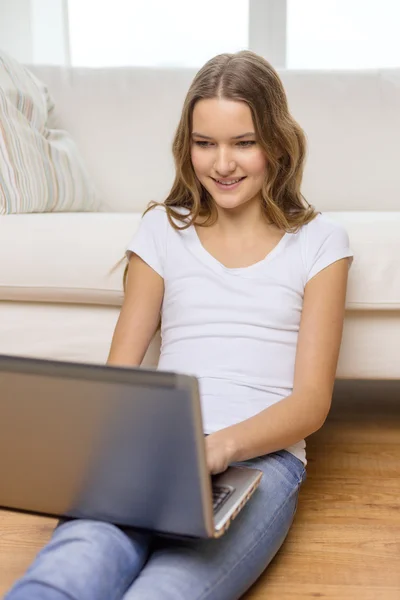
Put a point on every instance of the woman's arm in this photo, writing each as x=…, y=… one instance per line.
x=305, y=410
x=140, y=314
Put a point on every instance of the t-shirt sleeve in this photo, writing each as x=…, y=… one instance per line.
x=150, y=240
x=327, y=242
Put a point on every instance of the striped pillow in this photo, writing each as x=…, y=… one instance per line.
x=40, y=167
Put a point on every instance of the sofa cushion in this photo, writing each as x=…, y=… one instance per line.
x=64, y=257
x=374, y=280
x=69, y=258
x=40, y=169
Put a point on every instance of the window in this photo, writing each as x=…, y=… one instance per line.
x=294, y=34
x=343, y=34
x=155, y=33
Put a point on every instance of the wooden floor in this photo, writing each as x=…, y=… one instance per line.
x=345, y=541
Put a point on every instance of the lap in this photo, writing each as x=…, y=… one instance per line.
x=225, y=568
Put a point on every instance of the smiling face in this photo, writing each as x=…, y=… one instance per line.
x=226, y=157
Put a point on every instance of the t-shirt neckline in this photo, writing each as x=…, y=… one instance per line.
x=213, y=262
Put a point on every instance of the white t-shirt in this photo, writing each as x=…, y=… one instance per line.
x=235, y=329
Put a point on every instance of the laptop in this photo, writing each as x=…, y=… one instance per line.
x=123, y=445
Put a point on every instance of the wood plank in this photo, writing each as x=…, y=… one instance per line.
x=21, y=537
x=287, y=591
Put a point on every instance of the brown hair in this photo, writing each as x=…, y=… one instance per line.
x=249, y=78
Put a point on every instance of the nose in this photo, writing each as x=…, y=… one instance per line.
x=224, y=163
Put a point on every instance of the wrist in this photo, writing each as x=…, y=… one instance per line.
x=230, y=444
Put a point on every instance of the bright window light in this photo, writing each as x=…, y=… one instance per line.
x=155, y=33
x=343, y=34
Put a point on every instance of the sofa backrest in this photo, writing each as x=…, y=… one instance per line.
x=124, y=119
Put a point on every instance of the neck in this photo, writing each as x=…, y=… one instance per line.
x=243, y=220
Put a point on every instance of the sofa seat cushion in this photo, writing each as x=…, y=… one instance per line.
x=70, y=257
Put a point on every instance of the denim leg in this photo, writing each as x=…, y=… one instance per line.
x=225, y=568
x=84, y=560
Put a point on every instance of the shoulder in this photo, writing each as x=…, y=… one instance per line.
x=323, y=232
x=322, y=228
x=149, y=240
x=155, y=214
x=324, y=240
x=165, y=228
x=154, y=222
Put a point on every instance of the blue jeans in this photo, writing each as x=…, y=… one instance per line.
x=91, y=560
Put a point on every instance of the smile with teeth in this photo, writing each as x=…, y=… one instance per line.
x=230, y=182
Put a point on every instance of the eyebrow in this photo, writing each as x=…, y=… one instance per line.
x=237, y=137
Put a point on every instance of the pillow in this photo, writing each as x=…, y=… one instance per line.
x=40, y=167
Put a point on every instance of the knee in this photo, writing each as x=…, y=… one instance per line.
x=90, y=533
x=84, y=559
x=86, y=529
x=103, y=537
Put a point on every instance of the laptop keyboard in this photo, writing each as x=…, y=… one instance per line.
x=220, y=494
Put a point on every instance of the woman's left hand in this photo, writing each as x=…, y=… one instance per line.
x=218, y=452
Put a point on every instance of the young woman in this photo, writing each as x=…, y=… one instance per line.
x=250, y=284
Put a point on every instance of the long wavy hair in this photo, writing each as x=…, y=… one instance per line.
x=245, y=77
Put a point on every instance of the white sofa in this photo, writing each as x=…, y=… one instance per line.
x=58, y=295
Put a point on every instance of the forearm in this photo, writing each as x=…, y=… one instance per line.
x=278, y=426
